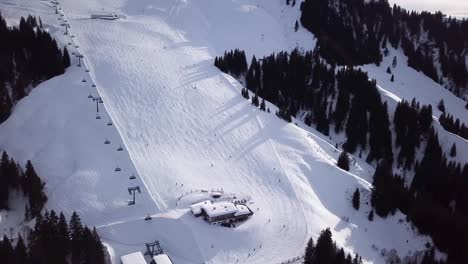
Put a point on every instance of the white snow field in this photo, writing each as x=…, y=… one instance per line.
x=184, y=126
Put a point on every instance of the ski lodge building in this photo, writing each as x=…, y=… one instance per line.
x=161, y=259
x=133, y=258
x=221, y=212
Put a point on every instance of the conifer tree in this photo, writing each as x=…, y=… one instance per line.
x=343, y=161
x=441, y=106
x=453, y=150
x=388, y=70
x=66, y=58
x=356, y=199
x=370, y=217
x=309, y=252
x=20, y=252
x=262, y=105
x=6, y=251
x=76, y=234
x=296, y=26
x=34, y=189
x=325, y=248
x=392, y=79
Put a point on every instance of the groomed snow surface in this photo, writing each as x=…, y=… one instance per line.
x=184, y=126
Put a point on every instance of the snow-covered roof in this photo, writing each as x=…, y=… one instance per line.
x=242, y=210
x=221, y=208
x=162, y=259
x=133, y=258
x=196, y=208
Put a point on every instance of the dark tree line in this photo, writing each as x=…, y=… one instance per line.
x=454, y=126
x=55, y=241
x=325, y=251
x=357, y=32
x=436, y=201
x=303, y=82
x=13, y=177
x=233, y=62
x=28, y=56
x=349, y=101
x=411, y=122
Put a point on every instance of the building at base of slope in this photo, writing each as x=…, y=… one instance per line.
x=161, y=259
x=133, y=258
x=138, y=258
x=221, y=212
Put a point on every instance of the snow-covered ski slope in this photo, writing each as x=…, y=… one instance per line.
x=184, y=126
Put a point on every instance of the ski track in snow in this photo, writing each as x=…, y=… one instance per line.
x=181, y=121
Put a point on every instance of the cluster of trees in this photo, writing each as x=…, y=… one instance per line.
x=28, y=56
x=347, y=101
x=435, y=202
x=456, y=127
x=14, y=177
x=233, y=62
x=55, y=241
x=411, y=122
x=303, y=82
x=326, y=251
x=358, y=32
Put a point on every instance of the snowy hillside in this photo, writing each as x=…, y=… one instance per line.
x=184, y=126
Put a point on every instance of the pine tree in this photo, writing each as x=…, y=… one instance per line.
x=6, y=251
x=262, y=105
x=20, y=253
x=343, y=161
x=296, y=26
x=27, y=213
x=255, y=100
x=453, y=150
x=76, y=235
x=309, y=252
x=370, y=217
x=63, y=239
x=388, y=70
x=34, y=189
x=394, y=62
x=392, y=79
x=325, y=248
x=441, y=106
x=66, y=58
x=4, y=184
x=356, y=199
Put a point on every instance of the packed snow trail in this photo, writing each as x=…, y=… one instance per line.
x=186, y=127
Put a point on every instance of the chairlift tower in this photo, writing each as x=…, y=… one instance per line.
x=132, y=191
x=98, y=101
x=153, y=249
x=79, y=56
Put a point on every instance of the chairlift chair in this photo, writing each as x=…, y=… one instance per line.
x=131, y=202
x=93, y=85
x=119, y=148
x=118, y=169
x=132, y=177
x=90, y=96
x=148, y=217
x=107, y=142
x=98, y=117
x=87, y=70
x=109, y=123
x=101, y=101
x=84, y=80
